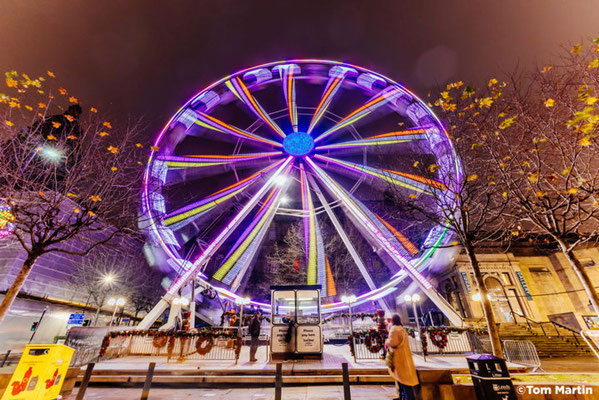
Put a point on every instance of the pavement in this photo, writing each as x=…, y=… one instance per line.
x=292, y=393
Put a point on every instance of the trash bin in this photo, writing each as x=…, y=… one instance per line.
x=40, y=372
x=491, y=377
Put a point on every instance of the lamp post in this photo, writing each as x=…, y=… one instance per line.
x=413, y=299
x=241, y=302
x=120, y=302
x=349, y=300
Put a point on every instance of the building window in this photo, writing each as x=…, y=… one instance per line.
x=507, y=279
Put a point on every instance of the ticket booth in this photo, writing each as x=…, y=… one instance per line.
x=296, y=330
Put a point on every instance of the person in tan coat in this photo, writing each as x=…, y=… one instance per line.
x=402, y=366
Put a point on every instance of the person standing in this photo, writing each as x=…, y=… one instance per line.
x=401, y=366
x=254, y=331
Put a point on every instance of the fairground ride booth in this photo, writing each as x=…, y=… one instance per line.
x=296, y=329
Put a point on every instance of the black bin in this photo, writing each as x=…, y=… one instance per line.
x=491, y=378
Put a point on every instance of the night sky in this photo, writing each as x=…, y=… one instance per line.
x=145, y=58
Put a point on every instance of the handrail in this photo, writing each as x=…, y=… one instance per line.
x=591, y=344
x=555, y=325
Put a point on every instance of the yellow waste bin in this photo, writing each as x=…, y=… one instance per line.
x=40, y=372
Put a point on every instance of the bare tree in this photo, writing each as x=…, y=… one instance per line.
x=69, y=179
x=470, y=205
x=548, y=159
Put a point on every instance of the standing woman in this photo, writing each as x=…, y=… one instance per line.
x=401, y=365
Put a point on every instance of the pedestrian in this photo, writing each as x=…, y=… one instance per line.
x=254, y=331
x=400, y=361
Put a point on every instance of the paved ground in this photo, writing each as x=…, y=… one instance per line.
x=293, y=393
x=571, y=364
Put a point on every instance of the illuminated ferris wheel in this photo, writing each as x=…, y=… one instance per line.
x=306, y=139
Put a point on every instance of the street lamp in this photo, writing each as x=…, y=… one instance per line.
x=349, y=300
x=51, y=153
x=415, y=298
x=241, y=302
x=120, y=302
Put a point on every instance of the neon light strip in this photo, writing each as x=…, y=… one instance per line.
x=289, y=91
x=374, y=103
x=210, y=160
x=332, y=86
x=238, y=88
x=390, y=249
x=331, y=289
x=210, y=122
x=409, y=181
x=378, y=140
x=218, y=241
x=406, y=243
x=214, y=199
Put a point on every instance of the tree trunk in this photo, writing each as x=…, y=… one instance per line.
x=584, y=278
x=486, y=303
x=14, y=289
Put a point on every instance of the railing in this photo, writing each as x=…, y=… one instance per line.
x=362, y=352
x=184, y=348
x=554, y=324
x=457, y=343
x=522, y=352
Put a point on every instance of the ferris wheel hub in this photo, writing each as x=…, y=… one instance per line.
x=298, y=144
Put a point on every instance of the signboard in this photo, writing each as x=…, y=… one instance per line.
x=466, y=282
x=76, y=319
x=309, y=339
x=279, y=345
x=524, y=285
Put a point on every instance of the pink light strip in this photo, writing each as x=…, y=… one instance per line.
x=209, y=251
x=391, y=250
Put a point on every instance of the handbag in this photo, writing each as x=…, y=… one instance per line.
x=389, y=359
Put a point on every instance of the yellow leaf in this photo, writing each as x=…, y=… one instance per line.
x=91, y=213
x=70, y=118
x=433, y=167
x=416, y=163
x=29, y=108
x=41, y=193
x=475, y=145
x=8, y=123
x=533, y=177
x=62, y=91
x=41, y=105
x=549, y=103
x=596, y=204
x=546, y=69
x=52, y=137
x=585, y=141
x=103, y=133
x=572, y=190
x=69, y=194
x=93, y=109
x=593, y=64
x=576, y=49
x=485, y=102
x=73, y=100
x=113, y=169
x=506, y=123
x=455, y=243
x=56, y=124
x=72, y=137
x=14, y=104
x=413, y=196
x=51, y=74
x=139, y=145
x=95, y=198
x=492, y=81
x=591, y=100
x=76, y=210
x=155, y=148
x=540, y=194
x=112, y=149
x=107, y=124
x=471, y=178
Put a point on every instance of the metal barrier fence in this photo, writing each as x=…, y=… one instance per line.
x=522, y=352
x=184, y=348
x=361, y=351
x=457, y=343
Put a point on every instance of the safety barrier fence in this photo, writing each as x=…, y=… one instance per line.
x=455, y=343
x=522, y=352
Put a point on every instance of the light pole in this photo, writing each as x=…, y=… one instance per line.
x=241, y=302
x=349, y=300
x=415, y=298
x=107, y=279
x=120, y=302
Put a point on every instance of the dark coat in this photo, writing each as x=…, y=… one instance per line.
x=254, y=328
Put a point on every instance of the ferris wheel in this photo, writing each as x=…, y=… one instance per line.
x=307, y=140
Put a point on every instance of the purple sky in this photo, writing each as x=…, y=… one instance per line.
x=147, y=57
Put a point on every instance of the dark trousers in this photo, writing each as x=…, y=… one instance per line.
x=254, y=342
x=405, y=392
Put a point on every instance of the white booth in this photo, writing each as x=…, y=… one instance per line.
x=296, y=330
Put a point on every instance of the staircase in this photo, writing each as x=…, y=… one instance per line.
x=555, y=341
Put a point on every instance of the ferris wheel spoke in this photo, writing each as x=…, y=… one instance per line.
x=337, y=75
x=243, y=252
x=210, y=122
x=367, y=222
x=389, y=138
x=230, y=227
x=409, y=181
x=197, y=161
x=238, y=88
x=319, y=270
x=375, y=102
x=182, y=216
x=287, y=73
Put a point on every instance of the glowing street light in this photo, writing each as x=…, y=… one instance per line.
x=285, y=200
x=51, y=153
x=120, y=302
x=241, y=302
x=349, y=300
